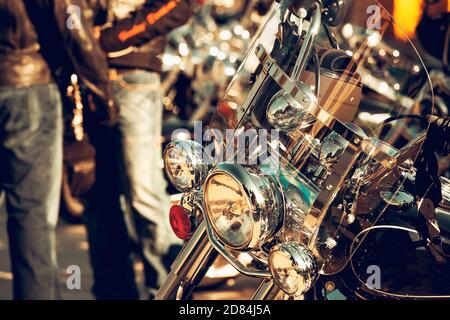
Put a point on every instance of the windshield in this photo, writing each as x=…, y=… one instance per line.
x=334, y=114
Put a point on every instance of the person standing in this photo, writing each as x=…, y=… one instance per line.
x=37, y=50
x=134, y=39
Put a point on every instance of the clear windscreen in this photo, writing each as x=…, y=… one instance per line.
x=337, y=130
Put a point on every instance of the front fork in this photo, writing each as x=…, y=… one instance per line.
x=190, y=267
x=268, y=290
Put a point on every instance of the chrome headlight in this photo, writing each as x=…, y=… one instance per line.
x=243, y=206
x=286, y=114
x=293, y=268
x=185, y=165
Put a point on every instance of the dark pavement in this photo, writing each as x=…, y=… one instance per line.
x=72, y=249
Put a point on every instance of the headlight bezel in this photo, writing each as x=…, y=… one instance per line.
x=264, y=197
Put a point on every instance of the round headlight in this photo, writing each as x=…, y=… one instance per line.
x=184, y=164
x=243, y=206
x=293, y=268
x=285, y=113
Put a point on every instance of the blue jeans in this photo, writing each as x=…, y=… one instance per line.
x=129, y=162
x=30, y=176
x=140, y=129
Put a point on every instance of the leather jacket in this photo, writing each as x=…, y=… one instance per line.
x=47, y=40
x=134, y=35
x=21, y=63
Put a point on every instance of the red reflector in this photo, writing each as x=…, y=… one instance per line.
x=180, y=222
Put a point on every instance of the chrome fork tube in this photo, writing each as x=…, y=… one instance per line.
x=189, y=267
x=267, y=290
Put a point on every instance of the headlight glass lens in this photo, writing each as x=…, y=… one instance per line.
x=178, y=168
x=283, y=270
x=229, y=210
x=184, y=164
x=293, y=268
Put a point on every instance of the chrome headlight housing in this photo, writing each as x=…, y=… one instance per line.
x=185, y=164
x=243, y=206
x=293, y=267
x=286, y=114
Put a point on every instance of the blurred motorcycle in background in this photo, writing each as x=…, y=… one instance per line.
x=319, y=165
x=201, y=59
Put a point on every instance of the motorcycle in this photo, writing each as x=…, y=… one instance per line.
x=324, y=201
